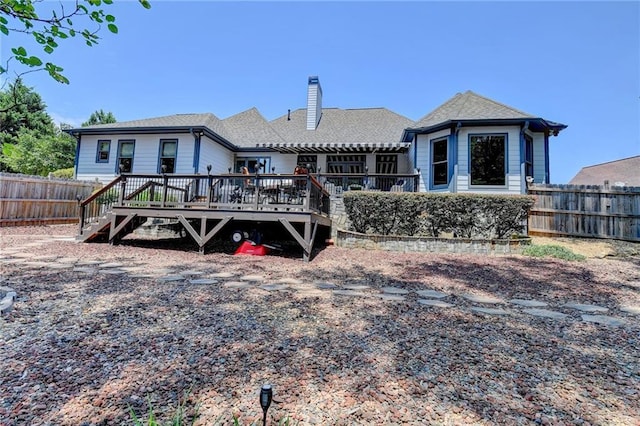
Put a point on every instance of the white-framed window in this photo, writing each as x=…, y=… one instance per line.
x=528, y=155
x=440, y=162
x=102, y=154
x=126, y=149
x=168, y=155
x=488, y=159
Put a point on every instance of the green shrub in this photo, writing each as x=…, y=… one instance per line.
x=108, y=197
x=549, y=250
x=63, y=173
x=464, y=215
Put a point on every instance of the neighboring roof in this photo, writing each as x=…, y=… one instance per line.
x=248, y=129
x=625, y=172
x=470, y=106
x=341, y=128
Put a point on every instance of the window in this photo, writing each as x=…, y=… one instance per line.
x=346, y=163
x=102, y=155
x=309, y=162
x=263, y=165
x=487, y=156
x=528, y=155
x=125, y=156
x=439, y=162
x=387, y=164
x=168, y=153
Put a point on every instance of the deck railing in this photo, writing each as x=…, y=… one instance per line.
x=337, y=183
x=260, y=192
x=229, y=191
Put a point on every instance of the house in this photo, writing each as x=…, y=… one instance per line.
x=468, y=144
x=624, y=172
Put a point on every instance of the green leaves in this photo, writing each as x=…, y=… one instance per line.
x=30, y=141
x=3, y=22
x=49, y=30
x=33, y=61
x=55, y=72
x=464, y=215
x=19, y=51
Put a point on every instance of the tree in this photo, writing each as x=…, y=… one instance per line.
x=99, y=117
x=39, y=154
x=22, y=108
x=30, y=141
x=84, y=19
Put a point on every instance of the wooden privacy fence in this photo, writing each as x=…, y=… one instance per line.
x=586, y=211
x=35, y=200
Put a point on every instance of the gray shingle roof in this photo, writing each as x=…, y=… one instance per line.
x=469, y=106
x=373, y=125
x=248, y=129
x=177, y=120
x=625, y=171
x=366, y=127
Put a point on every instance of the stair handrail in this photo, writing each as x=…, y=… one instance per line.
x=89, y=203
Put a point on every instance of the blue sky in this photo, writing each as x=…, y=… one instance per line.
x=577, y=63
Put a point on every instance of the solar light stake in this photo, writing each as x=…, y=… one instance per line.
x=266, y=395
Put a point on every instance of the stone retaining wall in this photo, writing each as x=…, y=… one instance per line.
x=351, y=239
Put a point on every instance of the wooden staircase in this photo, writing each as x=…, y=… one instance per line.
x=96, y=231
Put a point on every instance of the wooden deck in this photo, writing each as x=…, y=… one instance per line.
x=210, y=205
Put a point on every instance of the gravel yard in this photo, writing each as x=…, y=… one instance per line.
x=353, y=337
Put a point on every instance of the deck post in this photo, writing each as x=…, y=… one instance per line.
x=83, y=217
x=123, y=188
x=165, y=181
x=209, y=191
x=307, y=237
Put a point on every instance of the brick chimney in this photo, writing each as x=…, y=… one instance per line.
x=314, y=103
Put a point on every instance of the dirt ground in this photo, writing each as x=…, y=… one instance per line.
x=346, y=339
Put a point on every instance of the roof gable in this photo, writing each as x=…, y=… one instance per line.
x=470, y=106
x=249, y=128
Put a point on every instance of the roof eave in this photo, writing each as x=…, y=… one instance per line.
x=150, y=130
x=539, y=124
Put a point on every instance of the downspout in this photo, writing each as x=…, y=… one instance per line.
x=523, y=178
x=78, y=138
x=416, y=169
x=454, y=155
x=547, y=177
x=196, y=149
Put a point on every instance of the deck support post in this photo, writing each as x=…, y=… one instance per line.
x=203, y=238
x=307, y=237
x=114, y=230
x=305, y=242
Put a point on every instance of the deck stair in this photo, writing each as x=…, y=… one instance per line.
x=97, y=230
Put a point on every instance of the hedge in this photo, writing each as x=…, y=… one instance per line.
x=464, y=215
